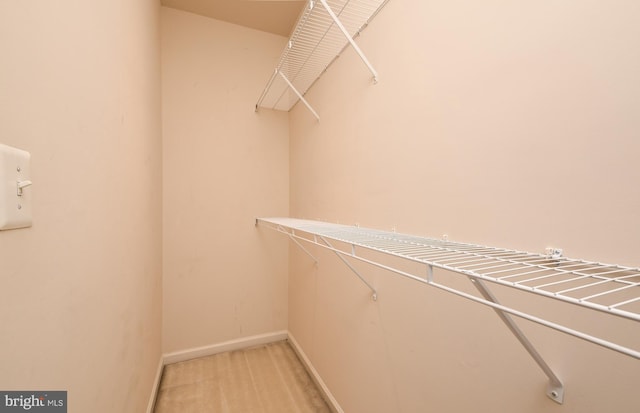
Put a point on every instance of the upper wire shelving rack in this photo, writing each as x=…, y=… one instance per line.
x=323, y=30
x=611, y=289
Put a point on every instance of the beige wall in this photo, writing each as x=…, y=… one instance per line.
x=223, y=165
x=80, y=291
x=507, y=124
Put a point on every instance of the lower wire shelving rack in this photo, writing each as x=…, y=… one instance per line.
x=611, y=289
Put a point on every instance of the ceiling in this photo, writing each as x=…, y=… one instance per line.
x=272, y=16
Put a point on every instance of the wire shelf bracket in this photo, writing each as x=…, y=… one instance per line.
x=611, y=289
x=555, y=388
x=321, y=34
x=374, y=293
x=298, y=94
x=350, y=39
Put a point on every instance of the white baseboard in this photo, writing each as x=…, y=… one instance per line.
x=333, y=403
x=237, y=344
x=156, y=386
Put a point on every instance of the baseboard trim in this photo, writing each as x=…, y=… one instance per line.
x=156, y=386
x=237, y=344
x=333, y=403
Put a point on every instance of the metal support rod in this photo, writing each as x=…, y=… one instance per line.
x=350, y=39
x=303, y=248
x=298, y=94
x=293, y=237
x=374, y=294
x=555, y=389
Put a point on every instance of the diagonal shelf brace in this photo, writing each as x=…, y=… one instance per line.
x=555, y=389
x=286, y=80
x=292, y=237
x=350, y=39
x=374, y=293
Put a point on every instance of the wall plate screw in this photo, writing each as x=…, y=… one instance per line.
x=19, y=206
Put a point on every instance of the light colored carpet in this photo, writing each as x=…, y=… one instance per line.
x=265, y=379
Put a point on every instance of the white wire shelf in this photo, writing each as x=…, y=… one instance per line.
x=324, y=29
x=607, y=288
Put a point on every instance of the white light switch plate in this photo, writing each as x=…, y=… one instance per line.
x=15, y=188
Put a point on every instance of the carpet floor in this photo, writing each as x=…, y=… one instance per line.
x=265, y=379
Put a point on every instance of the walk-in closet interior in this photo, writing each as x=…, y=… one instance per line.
x=431, y=206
